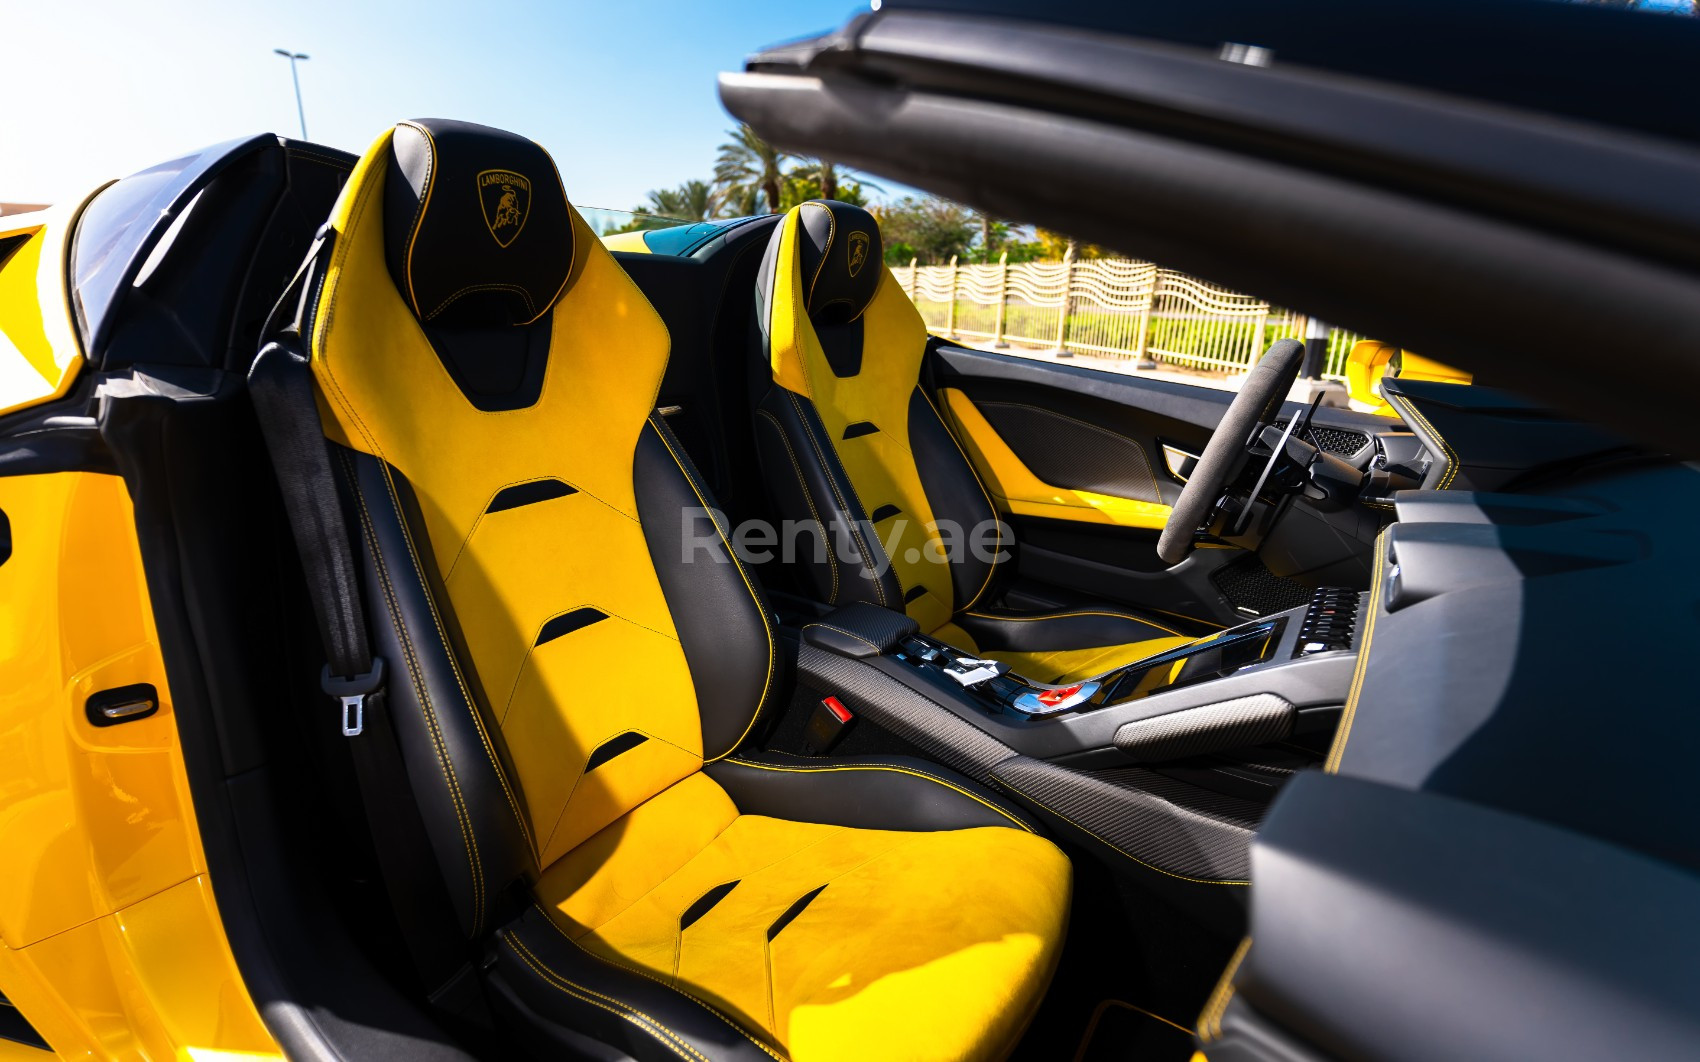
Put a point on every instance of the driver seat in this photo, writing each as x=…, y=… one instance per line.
x=850, y=442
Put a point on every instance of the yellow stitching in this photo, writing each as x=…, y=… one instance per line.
x=508, y=704
x=572, y=232
x=1337, y=750
x=849, y=517
x=641, y=972
x=730, y=552
x=1210, y=1019
x=826, y=537
x=1066, y=615
x=847, y=634
x=482, y=513
x=831, y=232
x=454, y=665
x=419, y=212
x=887, y=767
x=584, y=773
x=444, y=762
x=470, y=288
x=553, y=979
x=997, y=521
x=1112, y=846
x=1446, y=477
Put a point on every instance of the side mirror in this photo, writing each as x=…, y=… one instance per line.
x=1372, y=359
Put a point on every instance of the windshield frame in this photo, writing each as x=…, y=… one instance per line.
x=130, y=236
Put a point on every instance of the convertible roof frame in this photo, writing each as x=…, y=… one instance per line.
x=1524, y=274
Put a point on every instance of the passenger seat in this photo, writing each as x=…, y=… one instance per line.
x=849, y=439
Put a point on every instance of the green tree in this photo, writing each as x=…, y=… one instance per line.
x=800, y=187
x=929, y=228
x=691, y=201
x=833, y=181
x=747, y=164
x=1056, y=245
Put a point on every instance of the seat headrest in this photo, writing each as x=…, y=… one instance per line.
x=841, y=254
x=477, y=229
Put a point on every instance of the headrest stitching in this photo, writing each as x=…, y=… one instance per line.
x=831, y=231
x=530, y=306
x=419, y=211
x=572, y=232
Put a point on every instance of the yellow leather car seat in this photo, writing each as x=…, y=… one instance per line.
x=851, y=442
x=572, y=696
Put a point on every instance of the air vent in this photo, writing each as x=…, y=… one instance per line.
x=1342, y=442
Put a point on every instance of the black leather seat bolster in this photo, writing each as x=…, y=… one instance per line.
x=717, y=608
x=556, y=992
x=1078, y=628
x=866, y=792
x=456, y=764
x=955, y=493
x=809, y=485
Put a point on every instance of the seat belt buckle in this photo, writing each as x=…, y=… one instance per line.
x=352, y=692
x=827, y=725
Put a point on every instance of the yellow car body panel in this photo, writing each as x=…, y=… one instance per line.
x=110, y=941
x=39, y=350
x=626, y=241
x=1371, y=359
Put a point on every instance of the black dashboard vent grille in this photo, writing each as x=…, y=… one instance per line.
x=1256, y=591
x=1342, y=442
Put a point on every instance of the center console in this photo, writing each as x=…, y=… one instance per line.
x=1138, y=758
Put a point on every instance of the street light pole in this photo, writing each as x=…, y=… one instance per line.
x=300, y=111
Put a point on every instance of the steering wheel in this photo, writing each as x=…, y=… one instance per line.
x=1259, y=399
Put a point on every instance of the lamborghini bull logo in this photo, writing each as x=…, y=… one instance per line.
x=506, y=199
x=858, y=252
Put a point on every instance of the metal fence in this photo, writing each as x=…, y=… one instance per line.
x=1111, y=307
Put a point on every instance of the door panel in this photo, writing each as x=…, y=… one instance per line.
x=1084, y=473
x=110, y=940
x=1080, y=462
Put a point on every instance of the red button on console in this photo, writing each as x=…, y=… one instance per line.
x=839, y=712
x=1057, y=696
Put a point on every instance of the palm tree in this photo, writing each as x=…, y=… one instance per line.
x=748, y=163
x=691, y=201
x=827, y=174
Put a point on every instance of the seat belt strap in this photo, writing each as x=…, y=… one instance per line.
x=281, y=385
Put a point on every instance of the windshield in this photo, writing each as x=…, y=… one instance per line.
x=659, y=235
x=605, y=222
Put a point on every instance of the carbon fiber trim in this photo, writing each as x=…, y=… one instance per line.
x=1232, y=724
x=1071, y=453
x=1152, y=831
x=1243, y=812
x=911, y=715
x=870, y=629
x=1252, y=588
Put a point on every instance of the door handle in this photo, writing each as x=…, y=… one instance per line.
x=122, y=704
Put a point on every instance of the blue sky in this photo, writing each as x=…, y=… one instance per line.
x=622, y=93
